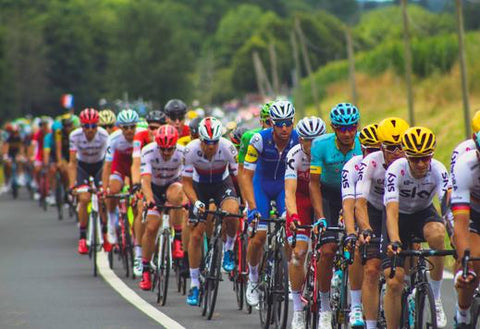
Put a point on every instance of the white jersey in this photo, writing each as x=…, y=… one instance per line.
x=298, y=168
x=217, y=169
x=466, y=180
x=350, y=177
x=118, y=146
x=89, y=151
x=163, y=172
x=371, y=179
x=461, y=148
x=414, y=194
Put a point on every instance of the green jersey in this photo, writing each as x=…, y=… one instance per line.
x=246, y=137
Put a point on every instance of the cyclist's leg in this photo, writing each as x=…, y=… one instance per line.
x=115, y=185
x=7, y=171
x=148, y=246
x=228, y=201
x=176, y=197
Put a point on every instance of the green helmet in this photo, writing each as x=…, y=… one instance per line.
x=265, y=111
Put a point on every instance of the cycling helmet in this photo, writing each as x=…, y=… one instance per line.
x=175, y=106
x=282, y=110
x=391, y=130
x=310, y=127
x=368, y=135
x=89, y=115
x=344, y=114
x=236, y=135
x=265, y=111
x=127, y=117
x=166, y=136
x=210, y=129
x=418, y=141
x=156, y=116
x=193, y=125
x=476, y=122
x=107, y=117
x=66, y=119
x=57, y=125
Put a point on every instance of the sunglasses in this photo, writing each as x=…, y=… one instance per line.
x=369, y=149
x=107, y=126
x=282, y=123
x=129, y=127
x=153, y=127
x=344, y=129
x=417, y=159
x=207, y=142
x=392, y=148
x=90, y=125
x=175, y=117
x=167, y=149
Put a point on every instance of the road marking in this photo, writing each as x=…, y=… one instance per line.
x=131, y=296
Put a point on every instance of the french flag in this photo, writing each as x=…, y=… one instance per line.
x=67, y=101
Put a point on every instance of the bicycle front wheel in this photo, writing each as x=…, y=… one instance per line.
x=425, y=315
x=213, y=278
x=163, y=269
x=264, y=291
x=280, y=291
x=94, y=241
x=59, y=198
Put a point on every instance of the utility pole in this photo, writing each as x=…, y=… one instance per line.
x=257, y=74
x=463, y=68
x=299, y=105
x=351, y=63
x=408, y=62
x=308, y=65
x=262, y=75
x=273, y=67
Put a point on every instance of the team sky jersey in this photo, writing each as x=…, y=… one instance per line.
x=89, y=151
x=264, y=158
x=119, y=149
x=163, y=172
x=350, y=177
x=215, y=170
x=371, y=179
x=298, y=168
x=244, y=142
x=328, y=160
x=141, y=139
x=466, y=182
x=413, y=194
x=461, y=148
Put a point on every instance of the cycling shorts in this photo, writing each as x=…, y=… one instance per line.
x=375, y=217
x=332, y=205
x=85, y=170
x=219, y=192
x=305, y=213
x=265, y=192
x=160, y=196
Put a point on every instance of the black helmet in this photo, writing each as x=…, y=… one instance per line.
x=193, y=125
x=156, y=116
x=236, y=135
x=175, y=107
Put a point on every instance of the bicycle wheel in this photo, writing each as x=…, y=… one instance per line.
x=341, y=314
x=404, y=317
x=59, y=198
x=155, y=260
x=308, y=293
x=124, y=244
x=425, y=315
x=236, y=275
x=264, y=290
x=280, y=291
x=475, y=311
x=93, y=246
x=163, y=268
x=213, y=277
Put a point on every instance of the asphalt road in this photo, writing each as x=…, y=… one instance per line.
x=44, y=283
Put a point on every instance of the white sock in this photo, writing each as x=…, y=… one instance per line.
x=324, y=301
x=229, y=243
x=371, y=324
x=436, y=288
x=194, y=274
x=463, y=315
x=297, y=301
x=112, y=220
x=356, y=296
x=253, y=273
x=138, y=251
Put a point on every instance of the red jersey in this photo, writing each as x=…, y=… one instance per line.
x=185, y=131
x=141, y=139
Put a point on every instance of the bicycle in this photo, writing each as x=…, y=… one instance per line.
x=14, y=180
x=162, y=258
x=211, y=269
x=94, y=232
x=59, y=194
x=475, y=308
x=43, y=189
x=424, y=311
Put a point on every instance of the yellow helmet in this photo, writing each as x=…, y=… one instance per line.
x=476, y=122
x=390, y=130
x=106, y=117
x=368, y=135
x=418, y=141
x=192, y=115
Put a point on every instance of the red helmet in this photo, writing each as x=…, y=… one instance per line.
x=166, y=136
x=89, y=116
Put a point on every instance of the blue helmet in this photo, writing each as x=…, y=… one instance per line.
x=127, y=117
x=344, y=114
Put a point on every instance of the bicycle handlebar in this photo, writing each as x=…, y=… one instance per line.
x=422, y=253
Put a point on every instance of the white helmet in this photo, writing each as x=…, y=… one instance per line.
x=311, y=127
x=210, y=129
x=282, y=110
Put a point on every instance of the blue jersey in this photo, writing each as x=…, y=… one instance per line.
x=328, y=161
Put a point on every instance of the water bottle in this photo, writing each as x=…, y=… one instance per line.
x=335, y=285
x=411, y=308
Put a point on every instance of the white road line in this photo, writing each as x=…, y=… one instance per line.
x=131, y=296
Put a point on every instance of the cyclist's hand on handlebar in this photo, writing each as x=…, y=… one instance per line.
x=366, y=236
x=461, y=282
x=252, y=214
x=295, y=221
x=394, y=248
x=320, y=225
x=198, y=208
x=351, y=240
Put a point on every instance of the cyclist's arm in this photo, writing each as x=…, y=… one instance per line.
x=392, y=221
x=46, y=149
x=316, y=195
x=248, y=188
x=136, y=161
x=361, y=214
x=72, y=168
x=147, y=188
x=348, y=206
x=187, y=183
x=107, y=168
x=58, y=148
x=290, y=197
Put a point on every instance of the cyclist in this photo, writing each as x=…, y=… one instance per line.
x=193, y=127
x=264, y=181
x=118, y=162
x=369, y=208
x=410, y=185
x=329, y=154
x=154, y=120
x=107, y=120
x=209, y=161
x=236, y=136
x=88, y=145
x=12, y=150
x=37, y=148
x=175, y=111
x=299, y=207
x=162, y=164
